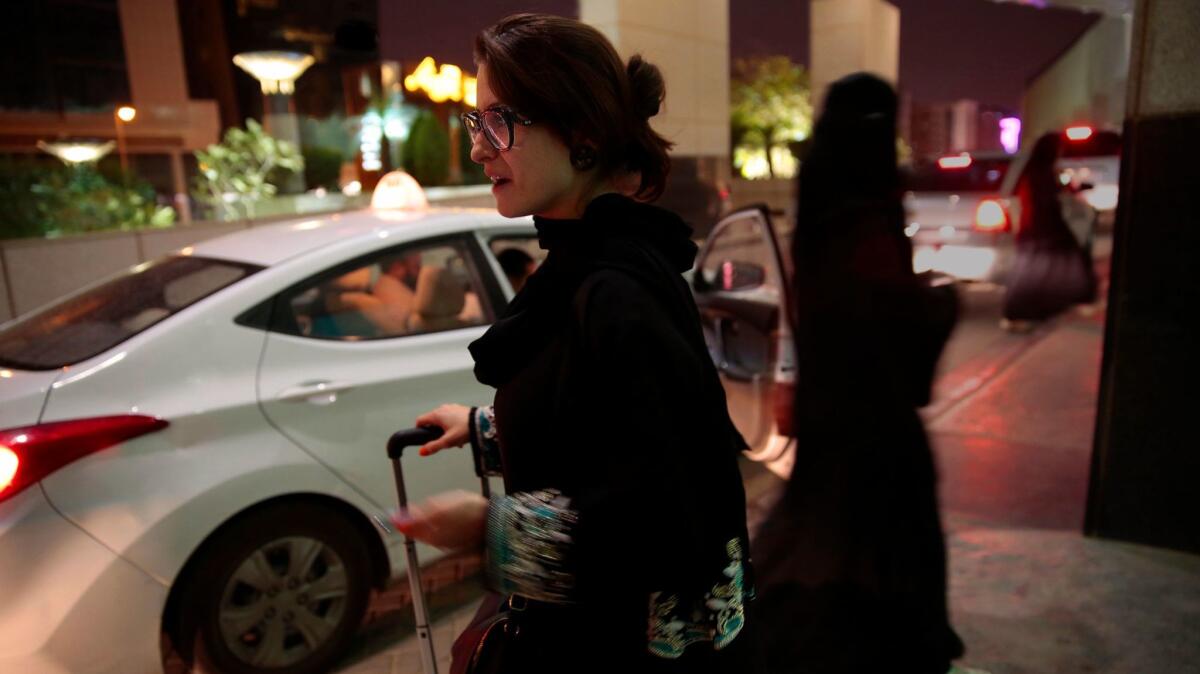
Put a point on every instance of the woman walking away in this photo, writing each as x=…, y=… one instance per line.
x=852, y=561
x=1052, y=270
x=621, y=544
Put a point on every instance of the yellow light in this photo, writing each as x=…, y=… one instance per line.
x=470, y=87
x=126, y=113
x=990, y=216
x=276, y=71
x=6, y=374
x=77, y=152
x=446, y=83
x=398, y=191
x=9, y=462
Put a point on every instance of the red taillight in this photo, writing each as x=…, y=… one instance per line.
x=958, y=161
x=1079, y=132
x=29, y=454
x=990, y=216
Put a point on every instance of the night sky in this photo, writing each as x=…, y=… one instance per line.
x=949, y=49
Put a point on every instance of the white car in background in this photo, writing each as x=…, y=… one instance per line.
x=962, y=209
x=196, y=446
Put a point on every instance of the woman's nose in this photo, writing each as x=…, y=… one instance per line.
x=481, y=149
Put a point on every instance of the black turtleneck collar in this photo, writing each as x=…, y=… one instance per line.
x=649, y=244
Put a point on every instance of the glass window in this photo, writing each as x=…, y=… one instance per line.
x=519, y=256
x=983, y=175
x=407, y=291
x=740, y=248
x=95, y=320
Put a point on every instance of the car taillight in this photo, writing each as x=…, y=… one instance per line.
x=1078, y=133
x=29, y=454
x=957, y=161
x=990, y=216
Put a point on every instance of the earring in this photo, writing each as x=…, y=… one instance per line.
x=583, y=157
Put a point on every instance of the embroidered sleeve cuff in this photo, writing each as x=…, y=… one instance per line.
x=484, y=445
x=529, y=537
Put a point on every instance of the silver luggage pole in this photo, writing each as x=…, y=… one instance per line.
x=395, y=449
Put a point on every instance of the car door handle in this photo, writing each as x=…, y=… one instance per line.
x=320, y=392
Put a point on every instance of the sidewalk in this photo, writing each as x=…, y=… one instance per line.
x=1029, y=593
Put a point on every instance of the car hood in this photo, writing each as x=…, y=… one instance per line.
x=23, y=395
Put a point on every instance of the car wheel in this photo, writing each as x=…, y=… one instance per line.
x=282, y=590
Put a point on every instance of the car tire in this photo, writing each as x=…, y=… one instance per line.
x=281, y=590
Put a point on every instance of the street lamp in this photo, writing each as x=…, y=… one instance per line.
x=121, y=116
x=76, y=152
x=277, y=72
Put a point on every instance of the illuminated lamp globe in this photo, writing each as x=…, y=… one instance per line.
x=126, y=113
x=77, y=152
x=398, y=191
x=276, y=71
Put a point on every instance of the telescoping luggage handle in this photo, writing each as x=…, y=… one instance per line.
x=401, y=440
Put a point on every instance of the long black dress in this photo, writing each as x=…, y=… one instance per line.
x=624, y=524
x=852, y=562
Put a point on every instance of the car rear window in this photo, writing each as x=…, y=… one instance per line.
x=983, y=175
x=98, y=318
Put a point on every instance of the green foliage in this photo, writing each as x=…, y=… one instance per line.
x=427, y=151
x=322, y=166
x=770, y=104
x=52, y=199
x=243, y=169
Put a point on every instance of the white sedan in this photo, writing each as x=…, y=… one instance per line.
x=196, y=446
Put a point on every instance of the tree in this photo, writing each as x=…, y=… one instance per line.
x=427, y=151
x=244, y=168
x=770, y=104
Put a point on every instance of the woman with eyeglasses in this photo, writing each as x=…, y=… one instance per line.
x=621, y=542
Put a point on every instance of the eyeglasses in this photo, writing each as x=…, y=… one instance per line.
x=496, y=124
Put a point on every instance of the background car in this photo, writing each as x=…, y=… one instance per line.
x=962, y=209
x=196, y=446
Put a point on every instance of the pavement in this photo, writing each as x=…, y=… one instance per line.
x=1012, y=430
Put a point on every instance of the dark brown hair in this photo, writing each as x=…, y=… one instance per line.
x=565, y=74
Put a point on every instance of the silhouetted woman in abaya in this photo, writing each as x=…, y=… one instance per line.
x=852, y=560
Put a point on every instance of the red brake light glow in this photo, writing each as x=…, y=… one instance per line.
x=29, y=454
x=957, y=161
x=990, y=216
x=1079, y=132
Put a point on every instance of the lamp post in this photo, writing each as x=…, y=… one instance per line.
x=277, y=72
x=121, y=116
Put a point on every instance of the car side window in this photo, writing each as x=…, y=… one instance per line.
x=519, y=256
x=738, y=252
x=417, y=289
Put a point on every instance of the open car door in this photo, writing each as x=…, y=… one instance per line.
x=741, y=287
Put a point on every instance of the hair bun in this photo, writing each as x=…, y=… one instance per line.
x=646, y=82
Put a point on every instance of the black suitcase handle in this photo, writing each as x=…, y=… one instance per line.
x=410, y=437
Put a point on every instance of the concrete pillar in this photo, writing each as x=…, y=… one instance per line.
x=849, y=36
x=1147, y=454
x=689, y=41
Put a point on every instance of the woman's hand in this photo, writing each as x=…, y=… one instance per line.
x=454, y=422
x=452, y=520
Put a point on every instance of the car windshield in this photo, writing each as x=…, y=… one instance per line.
x=982, y=175
x=98, y=318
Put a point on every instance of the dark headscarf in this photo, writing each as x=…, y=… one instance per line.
x=852, y=158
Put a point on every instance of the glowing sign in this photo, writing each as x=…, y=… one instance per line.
x=1010, y=134
x=446, y=83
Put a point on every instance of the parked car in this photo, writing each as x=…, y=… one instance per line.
x=195, y=446
x=962, y=209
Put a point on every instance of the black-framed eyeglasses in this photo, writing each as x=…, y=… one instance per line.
x=496, y=124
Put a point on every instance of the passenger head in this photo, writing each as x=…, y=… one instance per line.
x=517, y=266
x=561, y=119
x=853, y=153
